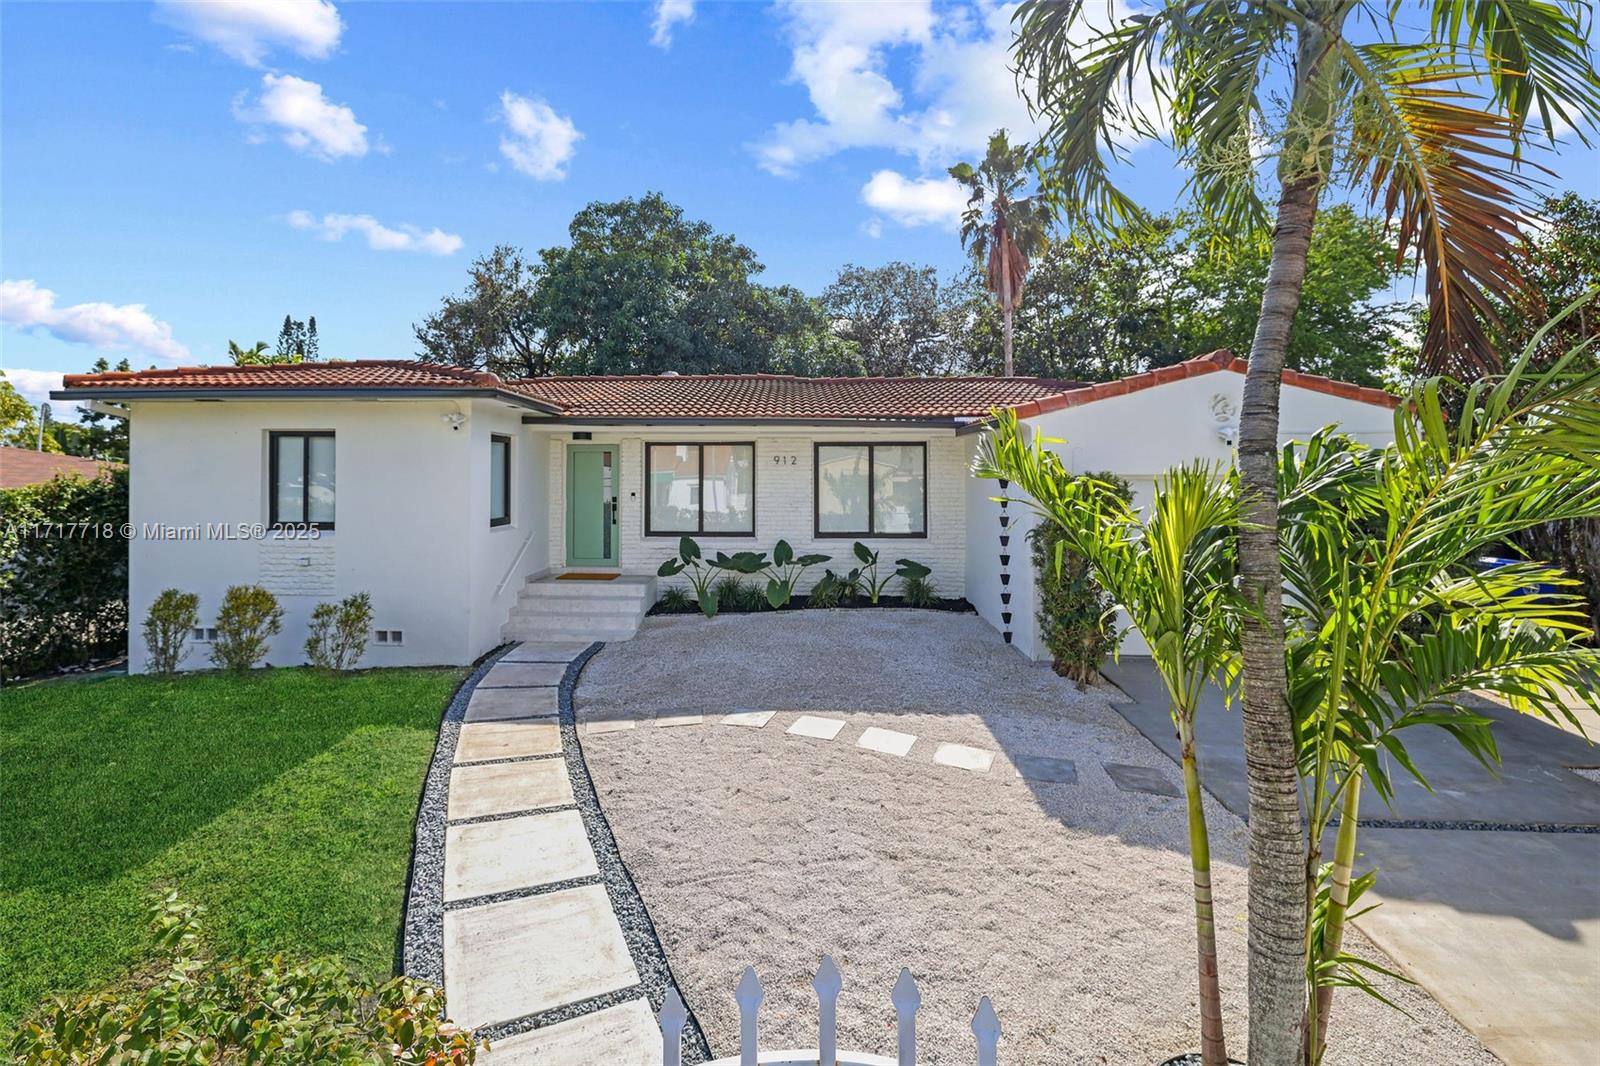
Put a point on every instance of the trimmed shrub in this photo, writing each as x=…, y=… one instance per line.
x=919, y=591
x=63, y=573
x=1074, y=611
x=339, y=632
x=250, y=617
x=676, y=600
x=256, y=1009
x=167, y=627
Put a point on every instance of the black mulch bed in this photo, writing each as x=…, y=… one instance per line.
x=803, y=603
x=423, y=949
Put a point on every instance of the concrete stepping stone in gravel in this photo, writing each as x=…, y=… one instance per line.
x=748, y=719
x=546, y=652
x=480, y=741
x=676, y=717
x=523, y=675
x=607, y=725
x=963, y=757
x=498, y=704
x=483, y=858
x=520, y=956
x=1140, y=779
x=504, y=787
x=624, y=1035
x=1046, y=768
x=809, y=725
x=886, y=741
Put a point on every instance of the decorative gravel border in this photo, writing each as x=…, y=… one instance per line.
x=1476, y=827
x=422, y=941
x=423, y=938
x=649, y=957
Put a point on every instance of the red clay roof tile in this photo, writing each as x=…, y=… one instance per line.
x=24, y=466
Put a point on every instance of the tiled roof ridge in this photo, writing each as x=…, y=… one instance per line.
x=483, y=378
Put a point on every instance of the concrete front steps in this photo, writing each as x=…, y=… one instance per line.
x=549, y=609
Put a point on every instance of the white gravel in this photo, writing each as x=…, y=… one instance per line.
x=1068, y=905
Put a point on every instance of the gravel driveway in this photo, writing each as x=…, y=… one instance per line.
x=1067, y=904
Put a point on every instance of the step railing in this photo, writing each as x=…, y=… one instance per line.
x=828, y=982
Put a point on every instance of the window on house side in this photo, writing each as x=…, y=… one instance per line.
x=872, y=490
x=499, y=480
x=700, y=488
x=302, y=481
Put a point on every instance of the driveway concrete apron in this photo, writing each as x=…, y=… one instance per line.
x=533, y=953
x=1490, y=884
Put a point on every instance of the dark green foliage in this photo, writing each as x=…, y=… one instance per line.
x=735, y=593
x=1074, y=611
x=63, y=573
x=785, y=572
x=339, y=632
x=250, y=617
x=167, y=625
x=674, y=600
x=919, y=591
x=261, y=1008
x=702, y=574
x=897, y=317
x=297, y=340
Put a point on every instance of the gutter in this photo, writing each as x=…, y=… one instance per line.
x=819, y=423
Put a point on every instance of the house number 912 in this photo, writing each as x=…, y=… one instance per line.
x=786, y=460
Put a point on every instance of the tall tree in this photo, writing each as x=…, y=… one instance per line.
x=19, y=420
x=297, y=341
x=105, y=435
x=1003, y=228
x=497, y=324
x=1433, y=127
x=897, y=316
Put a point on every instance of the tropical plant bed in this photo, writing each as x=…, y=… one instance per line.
x=281, y=801
x=803, y=603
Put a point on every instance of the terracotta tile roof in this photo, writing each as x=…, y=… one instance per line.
x=24, y=466
x=1221, y=359
x=744, y=397
x=357, y=374
x=778, y=396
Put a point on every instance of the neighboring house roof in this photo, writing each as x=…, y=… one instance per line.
x=1210, y=363
x=24, y=466
x=675, y=397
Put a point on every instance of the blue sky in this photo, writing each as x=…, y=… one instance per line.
x=176, y=175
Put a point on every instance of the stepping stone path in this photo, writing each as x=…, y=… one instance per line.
x=1140, y=779
x=532, y=946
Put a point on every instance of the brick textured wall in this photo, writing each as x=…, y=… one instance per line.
x=785, y=503
x=298, y=567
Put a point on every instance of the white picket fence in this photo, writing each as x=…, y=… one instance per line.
x=828, y=981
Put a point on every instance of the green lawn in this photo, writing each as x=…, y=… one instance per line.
x=283, y=802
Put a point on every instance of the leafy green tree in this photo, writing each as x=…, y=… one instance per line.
x=297, y=340
x=898, y=317
x=19, y=420
x=1430, y=121
x=1003, y=228
x=103, y=435
x=256, y=355
x=497, y=324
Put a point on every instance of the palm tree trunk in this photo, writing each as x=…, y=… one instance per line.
x=1344, y=861
x=1277, y=906
x=1213, y=1046
x=1005, y=299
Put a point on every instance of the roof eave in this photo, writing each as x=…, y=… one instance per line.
x=951, y=423
x=156, y=392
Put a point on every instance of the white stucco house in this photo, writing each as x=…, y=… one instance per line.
x=459, y=500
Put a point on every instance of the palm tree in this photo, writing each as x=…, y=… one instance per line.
x=1391, y=625
x=1003, y=229
x=1431, y=127
x=1173, y=574
x=250, y=356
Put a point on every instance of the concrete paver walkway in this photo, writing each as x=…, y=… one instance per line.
x=530, y=938
x=1498, y=918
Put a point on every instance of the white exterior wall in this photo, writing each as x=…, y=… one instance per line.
x=1137, y=436
x=785, y=500
x=403, y=482
x=501, y=557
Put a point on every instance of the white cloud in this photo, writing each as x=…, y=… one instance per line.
x=35, y=385
x=307, y=120
x=915, y=201
x=248, y=30
x=381, y=238
x=537, y=141
x=668, y=14
x=128, y=327
x=955, y=82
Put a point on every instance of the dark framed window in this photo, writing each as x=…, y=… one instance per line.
x=871, y=490
x=499, y=480
x=300, y=479
x=708, y=489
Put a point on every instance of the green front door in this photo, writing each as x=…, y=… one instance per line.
x=591, y=505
